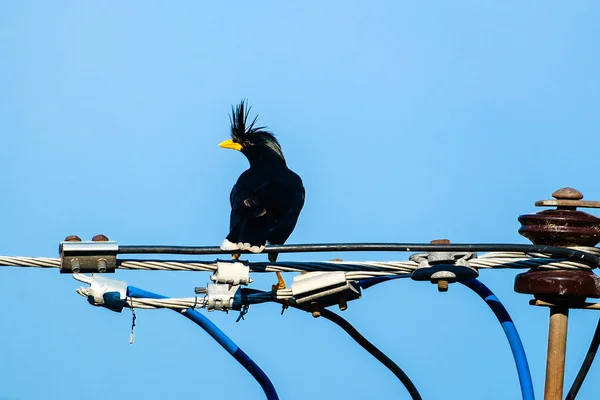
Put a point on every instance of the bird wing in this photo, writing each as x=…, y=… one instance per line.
x=265, y=205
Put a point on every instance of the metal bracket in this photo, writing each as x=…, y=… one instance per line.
x=88, y=257
x=443, y=267
x=324, y=289
x=581, y=306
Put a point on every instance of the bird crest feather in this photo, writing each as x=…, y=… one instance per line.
x=239, y=122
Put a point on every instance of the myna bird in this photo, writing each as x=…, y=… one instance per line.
x=268, y=197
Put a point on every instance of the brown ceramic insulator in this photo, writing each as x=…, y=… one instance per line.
x=559, y=284
x=563, y=226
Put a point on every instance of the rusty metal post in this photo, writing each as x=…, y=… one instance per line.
x=562, y=289
x=557, y=349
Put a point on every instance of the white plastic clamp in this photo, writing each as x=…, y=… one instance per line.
x=220, y=296
x=101, y=285
x=235, y=273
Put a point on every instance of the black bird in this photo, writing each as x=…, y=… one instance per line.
x=268, y=197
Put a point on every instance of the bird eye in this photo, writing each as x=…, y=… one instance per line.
x=246, y=143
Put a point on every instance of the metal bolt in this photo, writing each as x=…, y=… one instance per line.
x=343, y=304
x=316, y=309
x=201, y=290
x=100, y=238
x=102, y=265
x=442, y=285
x=73, y=238
x=75, y=266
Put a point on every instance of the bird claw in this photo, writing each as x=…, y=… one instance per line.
x=250, y=248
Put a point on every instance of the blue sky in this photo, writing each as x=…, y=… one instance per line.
x=407, y=122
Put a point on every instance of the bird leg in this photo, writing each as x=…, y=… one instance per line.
x=236, y=256
x=280, y=282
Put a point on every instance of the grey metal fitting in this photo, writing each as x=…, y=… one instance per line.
x=324, y=289
x=443, y=267
x=88, y=257
x=220, y=296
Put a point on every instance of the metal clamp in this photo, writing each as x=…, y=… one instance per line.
x=324, y=289
x=235, y=273
x=108, y=293
x=82, y=257
x=443, y=267
x=219, y=296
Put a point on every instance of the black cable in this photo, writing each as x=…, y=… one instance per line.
x=562, y=252
x=370, y=347
x=587, y=363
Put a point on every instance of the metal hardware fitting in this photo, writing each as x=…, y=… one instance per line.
x=323, y=289
x=443, y=267
x=88, y=257
x=220, y=296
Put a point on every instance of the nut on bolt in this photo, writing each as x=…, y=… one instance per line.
x=75, y=266
x=442, y=284
x=443, y=267
x=102, y=263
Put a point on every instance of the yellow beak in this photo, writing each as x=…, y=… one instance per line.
x=230, y=144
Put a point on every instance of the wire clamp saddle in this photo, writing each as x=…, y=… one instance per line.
x=219, y=296
x=88, y=257
x=232, y=273
x=443, y=267
x=324, y=289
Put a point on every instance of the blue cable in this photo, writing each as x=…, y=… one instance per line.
x=511, y=334
x=221, y=338
x=368, y=282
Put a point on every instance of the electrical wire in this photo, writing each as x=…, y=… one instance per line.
x=585, y=367
x=357, y=269
x=254, y=296
x=373, y=350
x=221, y=338
x=511, y=334
x=568, y=253
x=508, y=326
x=368, y=282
